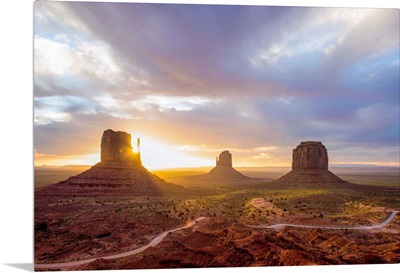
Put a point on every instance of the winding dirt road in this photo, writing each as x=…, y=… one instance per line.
x=378, y=226
x=153, y=242
x=160, y=237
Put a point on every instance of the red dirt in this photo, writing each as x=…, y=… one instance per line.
x=221, y=243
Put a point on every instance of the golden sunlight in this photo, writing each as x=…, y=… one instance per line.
x=56, y=160
x=155, y=155
x=158, y=155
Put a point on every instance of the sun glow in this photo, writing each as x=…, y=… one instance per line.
x=158, y=155
x=57, y=160
x=155, y=155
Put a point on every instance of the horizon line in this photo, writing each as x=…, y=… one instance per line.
x=258, y=167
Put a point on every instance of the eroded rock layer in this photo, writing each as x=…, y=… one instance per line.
x=310, y=155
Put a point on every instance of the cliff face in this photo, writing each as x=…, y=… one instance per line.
x=310, y=155
x=310, y=167
x=116, y=150
x=224, y=159
x=115, y=145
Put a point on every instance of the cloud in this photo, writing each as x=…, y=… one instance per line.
x=216, y=77
x=372, y=36
x=77, y=69
x=59, y=108
x=80, y=136
x=180, y=50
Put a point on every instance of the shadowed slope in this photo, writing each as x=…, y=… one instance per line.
x=120, y=171
x=311, y=177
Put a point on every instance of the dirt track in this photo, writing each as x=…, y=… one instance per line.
x=378, y=226
x=160, y=237
x=153, y=242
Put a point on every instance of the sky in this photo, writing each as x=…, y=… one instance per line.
x=194, y=80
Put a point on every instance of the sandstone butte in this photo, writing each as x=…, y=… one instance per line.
x=310, y=167
x=120, y=171
x=223, y=170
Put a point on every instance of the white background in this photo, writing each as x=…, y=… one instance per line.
x=16, y=138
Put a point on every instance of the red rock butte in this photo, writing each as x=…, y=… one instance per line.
x=310, y=167
x=223, y=170
x=115, y=145
x=120, y=171
x=224, y=160
x=310, y=155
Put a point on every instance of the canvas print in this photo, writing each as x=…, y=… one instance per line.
x=186, y=136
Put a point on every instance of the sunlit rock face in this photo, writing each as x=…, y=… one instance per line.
x=310, y=155
x=115, y=145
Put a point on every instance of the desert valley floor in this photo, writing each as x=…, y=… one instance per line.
x=70, y=227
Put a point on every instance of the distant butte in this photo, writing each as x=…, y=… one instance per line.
x=120, y=171
x=223, y=169
x=310, y=167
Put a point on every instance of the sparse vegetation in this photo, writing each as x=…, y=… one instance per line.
x=105, y=225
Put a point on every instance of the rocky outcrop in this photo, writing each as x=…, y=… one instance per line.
x=224, y=160
x=120, y=171
x=310, y=155
x=310, y=167
x=115, y=145
x=217, y=242
x=223, y=170
x=116, y=149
